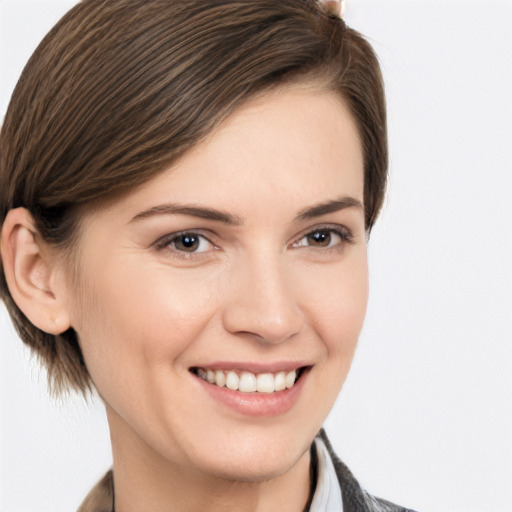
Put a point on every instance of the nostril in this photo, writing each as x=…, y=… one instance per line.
x=265, y=329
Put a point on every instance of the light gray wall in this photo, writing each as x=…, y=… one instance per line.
x=425, y=418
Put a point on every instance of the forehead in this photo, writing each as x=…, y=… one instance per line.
x=296, y=142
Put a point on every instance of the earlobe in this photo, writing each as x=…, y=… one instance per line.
x=31, y=270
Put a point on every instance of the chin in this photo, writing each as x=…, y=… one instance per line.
x=251, y=471
x=253, y=458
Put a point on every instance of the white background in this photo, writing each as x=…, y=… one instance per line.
x=425, y=418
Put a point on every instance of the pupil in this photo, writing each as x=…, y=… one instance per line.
x=321, y=238
x=188, y=242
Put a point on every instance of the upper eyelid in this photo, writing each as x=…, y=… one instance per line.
x=166, y=240
x=347, y=238
x=339, y=228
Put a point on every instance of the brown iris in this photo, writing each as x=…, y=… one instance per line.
x=187, y=242
x=319, y=238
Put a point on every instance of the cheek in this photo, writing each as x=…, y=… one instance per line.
x=130, y=318
x=336, y=302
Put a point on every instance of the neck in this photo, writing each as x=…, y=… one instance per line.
x=144, y=480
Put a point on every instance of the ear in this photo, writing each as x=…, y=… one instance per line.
x=33, y=273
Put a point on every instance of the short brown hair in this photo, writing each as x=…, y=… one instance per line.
x=119, y=89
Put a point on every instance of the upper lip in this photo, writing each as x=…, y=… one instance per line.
x=254, y=367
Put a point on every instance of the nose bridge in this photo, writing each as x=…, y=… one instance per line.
x=263, y=302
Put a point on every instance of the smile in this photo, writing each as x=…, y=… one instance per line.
x=248, y=382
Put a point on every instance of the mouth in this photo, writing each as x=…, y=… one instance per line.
x=249, y=382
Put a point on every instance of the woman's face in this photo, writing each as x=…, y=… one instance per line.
x=244, y=262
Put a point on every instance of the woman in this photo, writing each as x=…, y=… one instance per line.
x=187, y=191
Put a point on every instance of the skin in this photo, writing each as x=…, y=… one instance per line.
x=146, y=309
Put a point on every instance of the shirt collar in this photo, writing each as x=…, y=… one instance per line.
x=327, y=497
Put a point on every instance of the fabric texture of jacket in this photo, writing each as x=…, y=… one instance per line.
x=355, y=499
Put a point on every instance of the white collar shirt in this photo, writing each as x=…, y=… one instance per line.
x=327, y=497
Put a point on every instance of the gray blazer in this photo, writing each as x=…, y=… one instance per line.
x=355, y=499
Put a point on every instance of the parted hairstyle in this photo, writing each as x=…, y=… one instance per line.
x=120, y=89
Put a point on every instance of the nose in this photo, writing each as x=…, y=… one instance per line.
x=261, y=302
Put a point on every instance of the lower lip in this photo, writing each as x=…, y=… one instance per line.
x=256, y=404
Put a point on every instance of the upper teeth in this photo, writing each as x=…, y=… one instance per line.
x=248, y=382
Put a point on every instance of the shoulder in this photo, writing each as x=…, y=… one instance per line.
x=355, y=498
x=101, y=497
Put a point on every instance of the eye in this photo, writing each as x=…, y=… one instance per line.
x=324, y=238
x=186, y=243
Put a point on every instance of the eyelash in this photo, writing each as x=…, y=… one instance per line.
x=167, y=241
x=345, y=235
x=342, y=232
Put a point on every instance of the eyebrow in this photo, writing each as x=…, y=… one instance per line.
x=201, y=212
x=190, y=210
x=330, y=207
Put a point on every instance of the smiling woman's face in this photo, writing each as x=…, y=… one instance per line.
x=244, y=262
